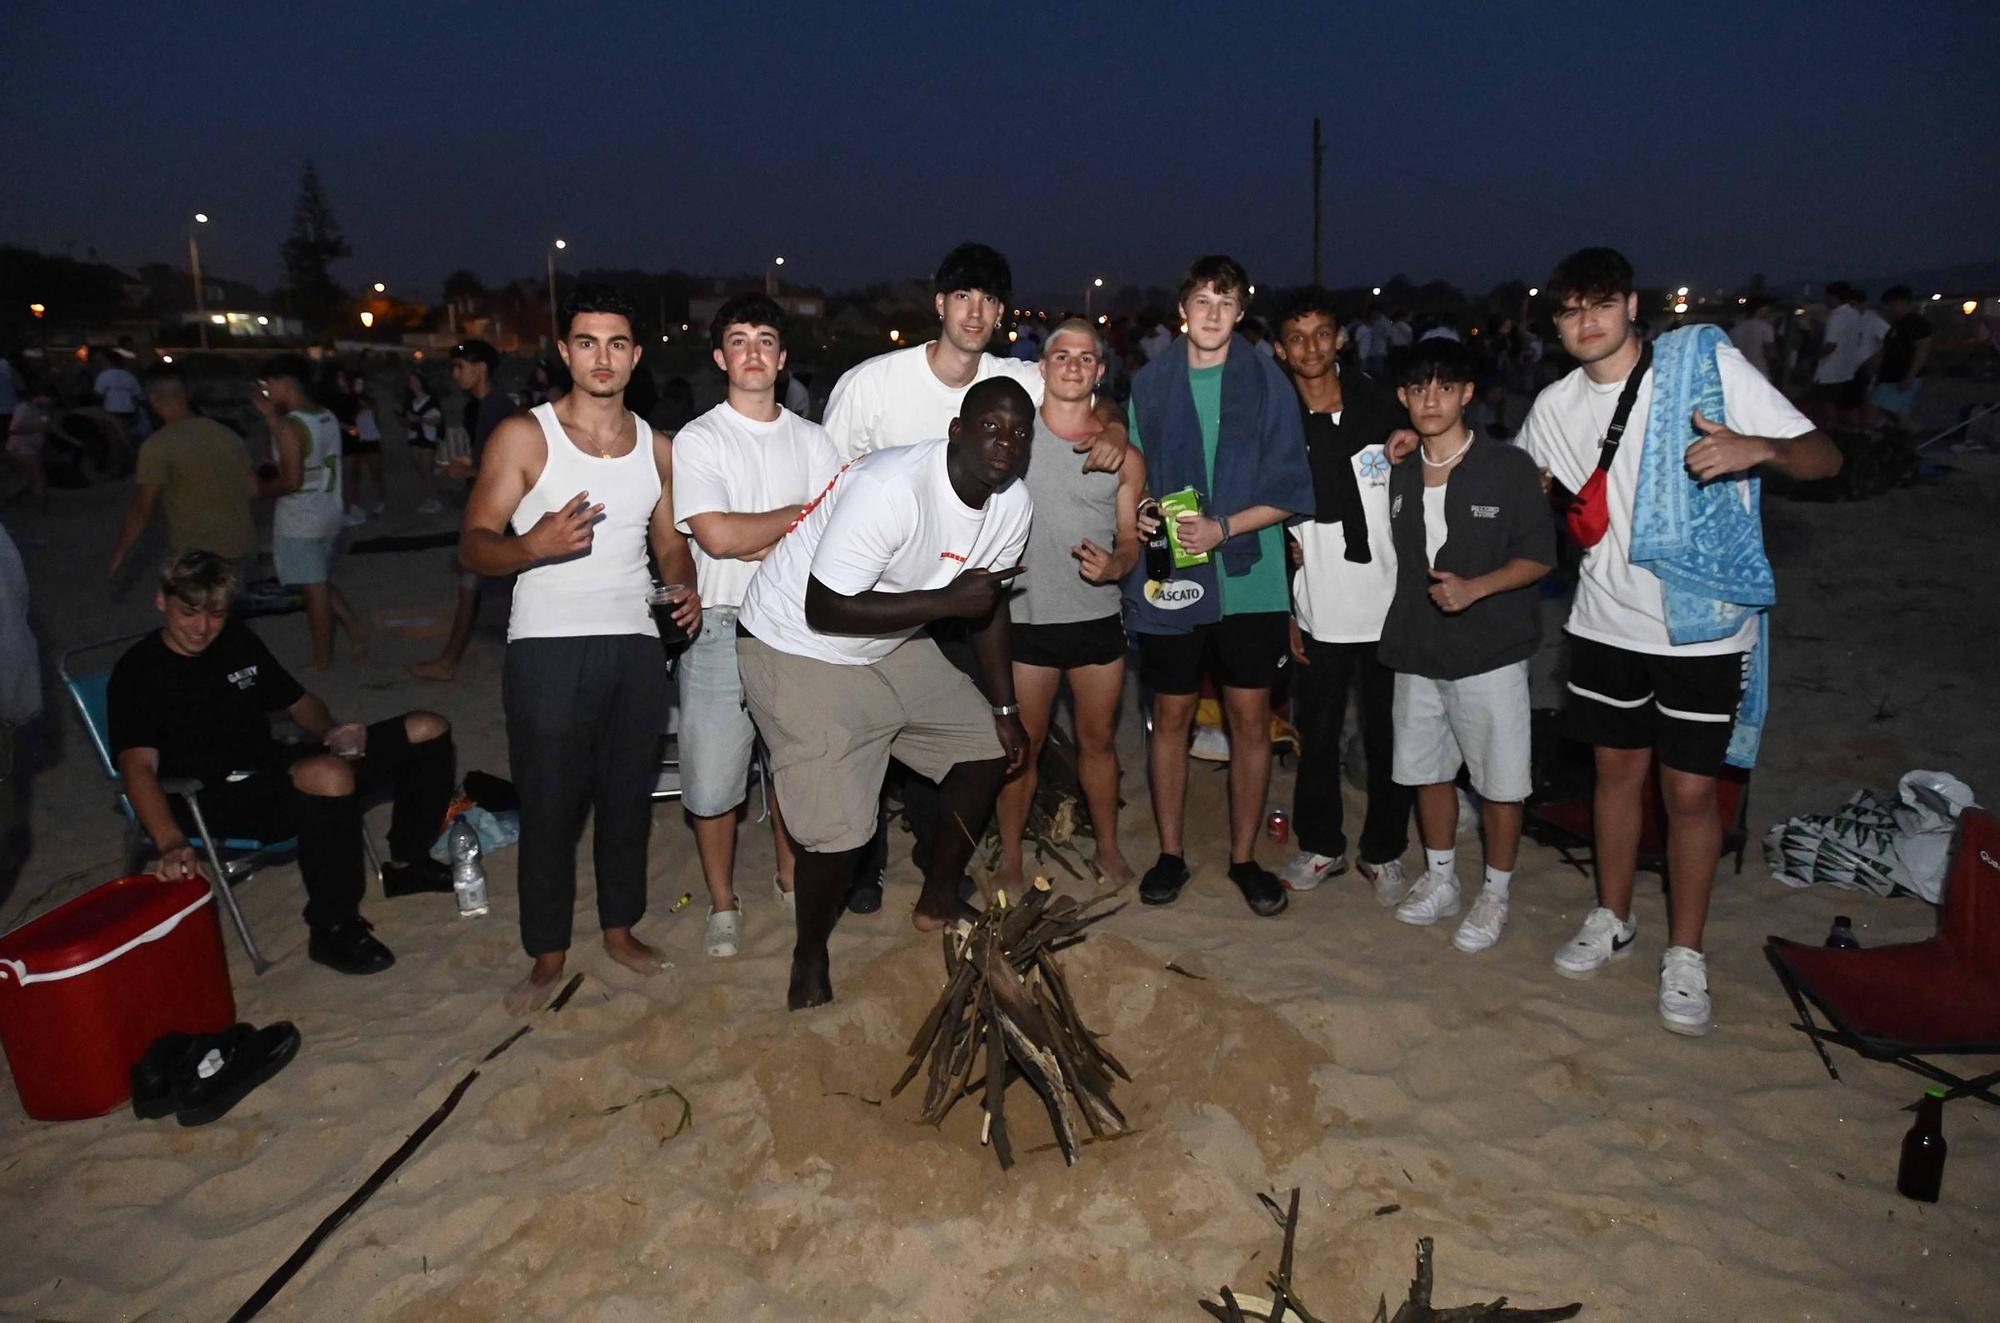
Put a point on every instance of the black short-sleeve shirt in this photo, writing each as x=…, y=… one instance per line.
x=208, y=715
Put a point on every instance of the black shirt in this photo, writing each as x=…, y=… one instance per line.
x=483, y=417
x=1899, y=347
x=1368, y=414
x=208, y=715
x=1494, y=512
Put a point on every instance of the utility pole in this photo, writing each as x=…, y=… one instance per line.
x=1319, y=162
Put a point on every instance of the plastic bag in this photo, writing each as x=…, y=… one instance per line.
x=496, y=830
x=1873, y=844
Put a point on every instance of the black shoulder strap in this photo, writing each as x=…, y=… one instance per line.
x=1623, y=414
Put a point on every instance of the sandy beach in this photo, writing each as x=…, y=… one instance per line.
x=1556, y=1143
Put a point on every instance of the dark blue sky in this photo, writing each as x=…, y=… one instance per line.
x=1468, y=141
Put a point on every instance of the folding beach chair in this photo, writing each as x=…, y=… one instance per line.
x=1914, y=1000
x=1567, y=824
x=231, y=859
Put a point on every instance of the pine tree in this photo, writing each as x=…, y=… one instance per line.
x=314, y=245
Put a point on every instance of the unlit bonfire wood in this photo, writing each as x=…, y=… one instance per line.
x=1006, y=1011
x=1417, y=1308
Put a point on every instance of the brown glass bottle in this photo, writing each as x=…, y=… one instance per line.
x=1922, y=1170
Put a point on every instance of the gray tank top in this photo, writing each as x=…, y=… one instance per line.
x=1070, y=505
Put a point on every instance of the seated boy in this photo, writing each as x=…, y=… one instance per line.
x=194, y=700
x=1473, y=534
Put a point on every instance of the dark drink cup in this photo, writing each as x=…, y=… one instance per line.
x=662, y=599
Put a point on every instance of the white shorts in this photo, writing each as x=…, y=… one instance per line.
x=1480, y=722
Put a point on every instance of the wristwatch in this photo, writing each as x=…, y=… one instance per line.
x=1007, y=710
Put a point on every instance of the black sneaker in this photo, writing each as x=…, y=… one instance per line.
x=1164, y=880
x=349, y=947
x=865, y=897
x=1262, y=891
x=399, y=879
x=153, y=1076
x=238, y=1059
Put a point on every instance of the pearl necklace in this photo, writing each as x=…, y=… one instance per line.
x=1450, y=459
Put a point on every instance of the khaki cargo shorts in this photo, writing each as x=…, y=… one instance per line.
x=832, y=729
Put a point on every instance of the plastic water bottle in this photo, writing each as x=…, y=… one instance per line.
x=468, y=875
x=1841, y=937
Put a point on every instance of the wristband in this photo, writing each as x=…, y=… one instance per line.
x=1224, y=521
x=1007, y=710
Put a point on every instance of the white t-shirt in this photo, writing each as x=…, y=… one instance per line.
x=895, y=399
x=890, y=522
x=1336, y=600
x=1617, y=602
x=1870, y=330
x=118, y=389
x=1842, y=327
x=727, y=463
x=1753, y=337
x=1434, y=521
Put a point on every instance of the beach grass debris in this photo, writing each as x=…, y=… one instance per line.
x=1006, y=1010
x=1416, y=1307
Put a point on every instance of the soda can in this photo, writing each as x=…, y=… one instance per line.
x=1279, y=825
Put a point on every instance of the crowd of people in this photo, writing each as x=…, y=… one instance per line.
x=903, y=591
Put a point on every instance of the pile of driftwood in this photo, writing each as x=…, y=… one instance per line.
x=1417, y=1308
x=1057, y=823
x=1007, y=1010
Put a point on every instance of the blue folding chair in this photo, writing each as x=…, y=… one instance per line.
x=231, y=859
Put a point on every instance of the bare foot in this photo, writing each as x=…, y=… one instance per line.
x=940, y=908
x=811, y=985
x=1112, y=869
x=436, y=669
x=533, y=992
x=629, y=951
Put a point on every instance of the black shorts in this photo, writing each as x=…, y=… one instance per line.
x=1242, y=652
x=1683, y=707
x=1070, y=644
x=356, y=446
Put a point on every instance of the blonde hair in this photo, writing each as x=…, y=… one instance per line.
x=202, y=579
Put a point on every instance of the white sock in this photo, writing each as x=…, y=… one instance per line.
x=1498, y=879
x=1442, y=862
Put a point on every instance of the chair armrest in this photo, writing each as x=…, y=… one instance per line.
x=185, y=786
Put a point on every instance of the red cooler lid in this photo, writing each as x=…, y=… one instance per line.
x=96, y=923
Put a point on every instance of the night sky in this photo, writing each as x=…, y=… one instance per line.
x=1472, y=142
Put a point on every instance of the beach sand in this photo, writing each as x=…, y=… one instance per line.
x=1551, y=1137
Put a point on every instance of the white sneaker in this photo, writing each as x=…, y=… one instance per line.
x=1307, y=870
x=1603, y=938
x=1434, y=897
x=1684, y=1005
x=724, y=932
x=1210, y=745
x=355, y=517
x=1392, y=885
x=784, y=897
x=1483, y=923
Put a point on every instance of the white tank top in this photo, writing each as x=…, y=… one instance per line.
x=604, y=590
x=314, y=510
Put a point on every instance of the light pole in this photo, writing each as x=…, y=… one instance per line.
x=1089, y=291
x=771, y=276
x=554, y=335
x=194, y=261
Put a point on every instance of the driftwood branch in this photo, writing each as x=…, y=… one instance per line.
x=1006, y=1004
x=1416, y=1306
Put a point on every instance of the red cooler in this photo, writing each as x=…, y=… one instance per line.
x=88, y=987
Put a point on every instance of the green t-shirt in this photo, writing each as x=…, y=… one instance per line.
x=203, y=474
x=1266, y=587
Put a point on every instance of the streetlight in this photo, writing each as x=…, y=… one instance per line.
x=1969, y=307
x=1090, y=290
x=367, y=319
x=771, y=276
x=1533, y=290
x=381, y=288
x=194, y=262
x=39, y=309
x=1376, y=290
x=558, y=245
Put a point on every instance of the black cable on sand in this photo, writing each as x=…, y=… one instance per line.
x=289, y=1269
